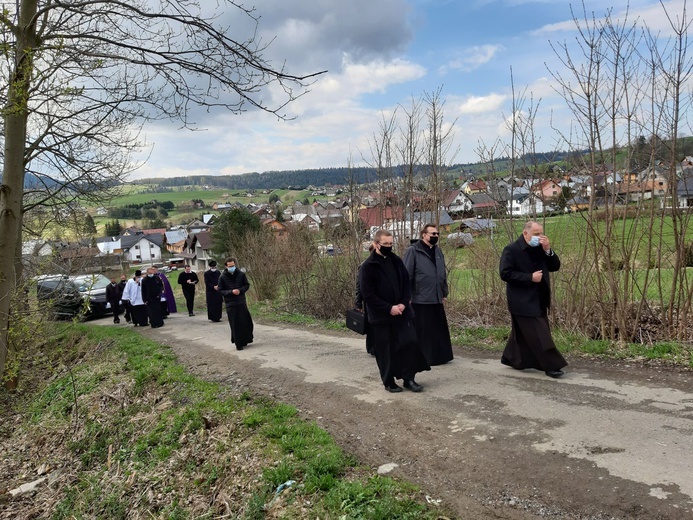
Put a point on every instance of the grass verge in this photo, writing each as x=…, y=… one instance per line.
x=121, y=430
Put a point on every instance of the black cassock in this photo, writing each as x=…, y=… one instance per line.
x=433, y=333
x=530, y=345
x=151, y=294
x=214, y=298
x=241, y=324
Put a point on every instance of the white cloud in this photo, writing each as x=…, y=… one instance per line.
x=654, y=16
x=481, y=104
x=473, y=57
x=331, y=123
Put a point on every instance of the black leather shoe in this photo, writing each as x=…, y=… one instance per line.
x=393, y=388
x=412, y=385
x=239, y=348
x=554, y=373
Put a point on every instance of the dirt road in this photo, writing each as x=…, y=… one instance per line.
x=610, y=440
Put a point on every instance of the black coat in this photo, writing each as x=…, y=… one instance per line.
x=114, y=294
x=228, y=282
x=518, y=261
x=152, y=289
x=378, y=294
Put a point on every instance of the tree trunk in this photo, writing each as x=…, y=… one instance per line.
x=11, y=190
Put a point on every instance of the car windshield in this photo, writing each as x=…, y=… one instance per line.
x=90, y=282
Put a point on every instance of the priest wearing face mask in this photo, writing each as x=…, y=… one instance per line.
x=214, y=298
x=525, y=266
x=425, y=264
x=233, y=284
x=152, y=289
x=386, y=293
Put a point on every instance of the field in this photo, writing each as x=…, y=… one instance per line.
x=141, y=194
x=474, y=270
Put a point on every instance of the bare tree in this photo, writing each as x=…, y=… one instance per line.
x=624, y=81
x=382, y=161
x=439, y=151
x=410, y=152
x=79, y=77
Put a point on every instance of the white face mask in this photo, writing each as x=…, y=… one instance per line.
x=212, y=269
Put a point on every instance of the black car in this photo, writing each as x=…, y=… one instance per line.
x=82, y=296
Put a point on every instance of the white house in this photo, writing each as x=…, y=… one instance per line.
x=109, y=245
x=456, y=202
x=523, y=204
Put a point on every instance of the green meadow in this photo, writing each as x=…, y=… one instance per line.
x=138, y=194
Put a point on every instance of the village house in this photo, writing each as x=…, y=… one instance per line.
x=136, y=248
x=379, y=216
x=546, y=189
x=474, y=186
x=196, y=226
x=684, y=192
x=482, y=203
x=455, y=201
x=279, y=229
x=524, y=204
x=202, y=243
x=175, y=240
x=263, y=213
x=312, y=222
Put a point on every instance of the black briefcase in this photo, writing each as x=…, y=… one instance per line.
x=356, y=321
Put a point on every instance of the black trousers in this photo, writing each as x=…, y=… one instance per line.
x=116, y=311
x=126, y=306
x=189, y=298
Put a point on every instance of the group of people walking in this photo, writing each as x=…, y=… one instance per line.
x=149, y=299
x=403, y=299
x=404, y=303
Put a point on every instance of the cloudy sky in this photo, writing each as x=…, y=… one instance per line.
x=380, y=54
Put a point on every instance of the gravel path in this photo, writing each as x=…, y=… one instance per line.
x=611, y=440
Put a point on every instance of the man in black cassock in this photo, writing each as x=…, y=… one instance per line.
x=233, y=284
x=525, y=266
x=386, y=292
x=152, y=287
x=214, y=298
x=425, y=264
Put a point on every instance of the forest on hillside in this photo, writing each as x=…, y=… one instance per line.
x=299, y=179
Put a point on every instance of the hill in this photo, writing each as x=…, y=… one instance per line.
x=300, y=179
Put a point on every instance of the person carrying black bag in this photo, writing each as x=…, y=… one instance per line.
x=358, y=305
x=386, y=291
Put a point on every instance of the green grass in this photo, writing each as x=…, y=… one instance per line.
x=130, y=405
x=136, y=195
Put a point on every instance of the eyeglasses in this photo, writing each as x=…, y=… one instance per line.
x=386, y=245
x=434, y=234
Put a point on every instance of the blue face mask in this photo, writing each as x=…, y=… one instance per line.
x=534, y=241
x=232, y=269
